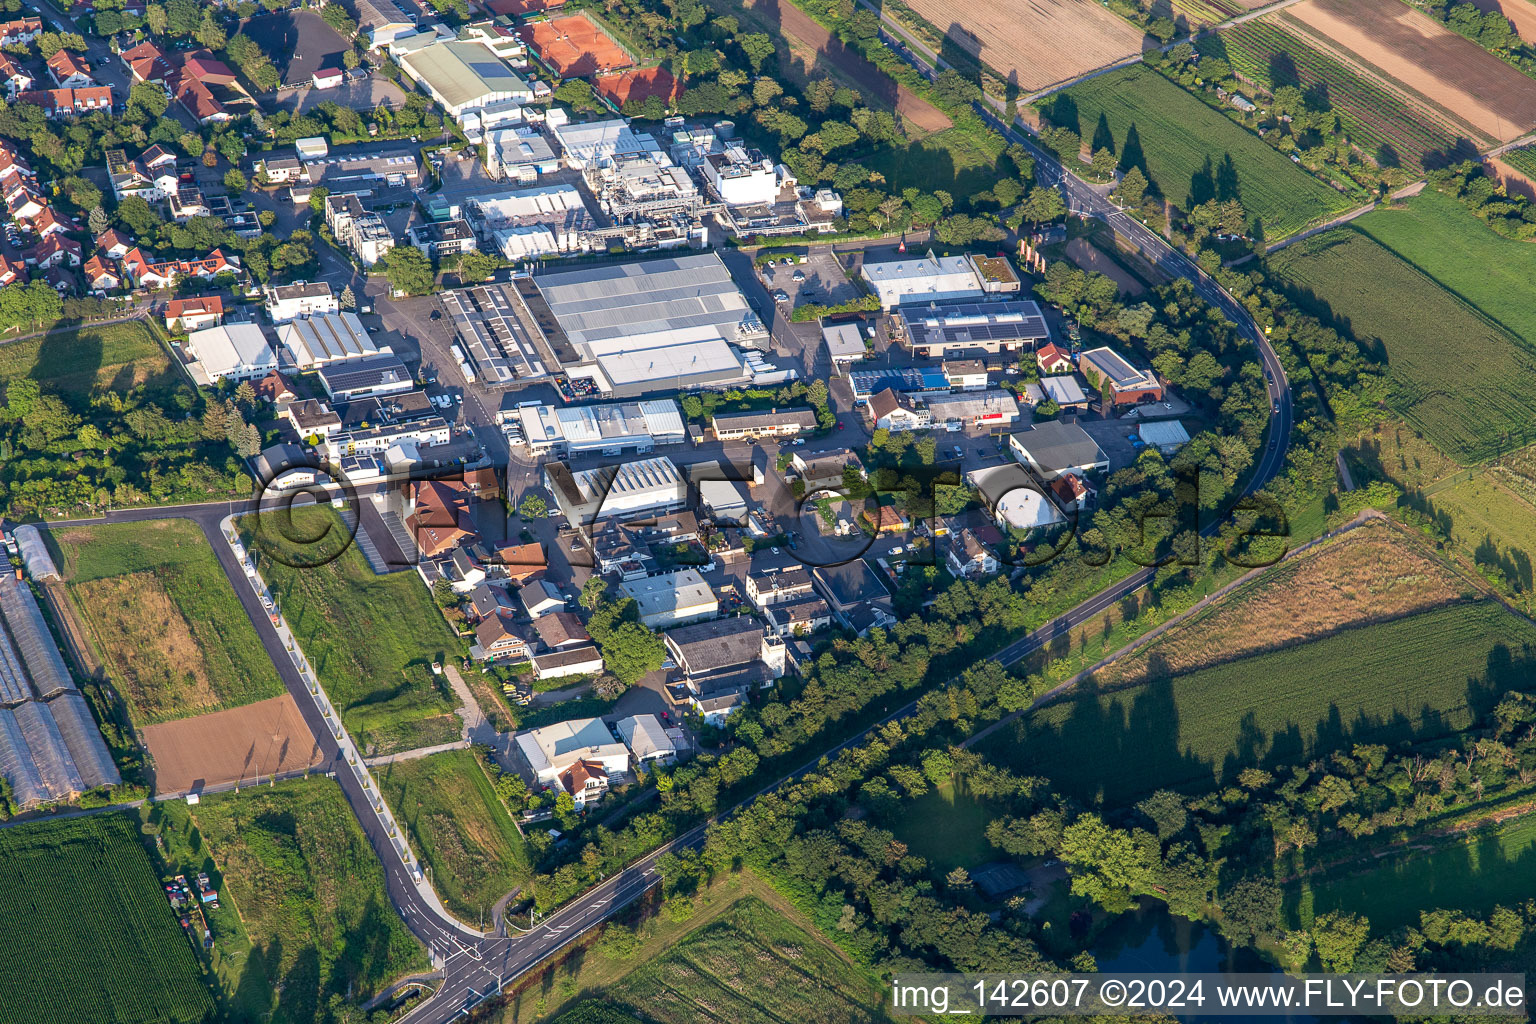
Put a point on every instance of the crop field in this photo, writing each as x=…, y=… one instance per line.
x=1380, y=119
x=460, y=828
x=1494, y=274
x=1471, y=409
x=1371, y=574
x=371, y=638
x=310, y=890
x=751, y=966
x=1182, y=138
x=1486, y=869
x=1033, y=44
x=1522, y=159
x=87, y=931
x=1420, y=676
x=1493, y=523
x=1391, y=450
x=1391, y=40
x=160, y=611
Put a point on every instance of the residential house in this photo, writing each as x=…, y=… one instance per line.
x=14, y=169
x=1052, y=358
x=497, y=640
x=966, y=374
x=517, y=563
x=100, y=276
x=647, y=741
x=773, y=586
x=616, y=549
x=198, y=100
x=824, y=470
x=275, y=389
x=148, y=272
x=19, y=31
x=586, y=781
x=798, y=616
x=721, y=661
x=69, y=70
x=894, y=411
x=551, y=749
x=1071, y=492
x=69, y=103
x=440, y=516
x=62, y=280
x=186, y=203
x=16, y=78
x=48, y=222
x=541, y=598
x=113, y=243
x=859, y=598
x=561, y=629
x=192, y=314
x=302, y=298
x=362, y=232
x=53, y=251
x=12, y=271
x=972, y=552
x=327, y=78
x=564, y=662
x=486, y=601
x=312, y=418
x=23, y=202
x=147, y=62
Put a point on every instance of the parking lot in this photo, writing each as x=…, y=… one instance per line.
x=819, y=279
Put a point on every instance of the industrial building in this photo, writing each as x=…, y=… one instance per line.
x=520, y=154
x=642, y=186
x=739, y=426
x=372, y=440
x=531, y=222
x=1014, y=498
x=868, y=383
x=609, y=429
x=381, y=22
x=583, y=144
x=944, y=330
x=672, y=323
x=553, y=749
x=672, y=599
x=1167, y=436
x=995, y=408
x=351, y=379
x=230, y=352
x=1128, y=385
x=845, y=344
x=439, y=238
x=927, y=279
x=325, y=338
x=1053, y=448
x=363, y=233
x=1064, y=390
x=631, y=490
x=464, y=77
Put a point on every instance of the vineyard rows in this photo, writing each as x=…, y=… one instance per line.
x=1522, y=160
x=87, y=931
x=1375, y=119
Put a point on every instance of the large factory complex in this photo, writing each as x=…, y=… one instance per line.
x=616, y=331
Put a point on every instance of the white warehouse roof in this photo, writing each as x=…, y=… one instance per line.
x=588, y=427
x=325, y=338
x=231, y=348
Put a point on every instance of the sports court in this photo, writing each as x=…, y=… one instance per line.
x=574, y=46
x=638, y=84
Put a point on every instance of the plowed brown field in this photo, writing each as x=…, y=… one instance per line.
x=1448, y=71
x=1041, y=42
x=240, y=744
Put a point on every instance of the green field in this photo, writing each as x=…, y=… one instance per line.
x=1180, y=135
x=151, y=427
x=371, y=638
x=1494, y=274
x=87, y=931
x=947, y=828
x=1378, y=122
x=1420, y=676
x=1492, y=523
x=310, y=891
x=1487, y=869
x=460, y=828
x=751, y=966
x=164, y=619
x=1466, y=383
